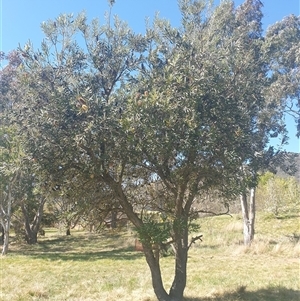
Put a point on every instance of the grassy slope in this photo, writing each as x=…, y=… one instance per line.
x=105, y=267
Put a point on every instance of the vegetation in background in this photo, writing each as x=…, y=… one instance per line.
x=278, y=195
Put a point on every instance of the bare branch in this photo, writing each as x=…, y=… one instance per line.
x=214, y=213
x=194, y=239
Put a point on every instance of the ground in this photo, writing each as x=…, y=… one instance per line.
x=105, y=266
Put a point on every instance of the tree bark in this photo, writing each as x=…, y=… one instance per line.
x=5, y=218
x=2, y=233
x=6, y=228
x=157, y=282
x=179, y=283
x=248, y=212
x=181, y=247
x=113, y=219
x=31, y=230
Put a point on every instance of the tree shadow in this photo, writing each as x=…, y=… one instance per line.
x=266, y=294
x=287, y=216
x=79, y=248
x=117, y=254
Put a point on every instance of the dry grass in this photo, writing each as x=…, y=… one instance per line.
x=106, y=267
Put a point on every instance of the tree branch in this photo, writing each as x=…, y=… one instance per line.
x=214, y=213
x=194, y=239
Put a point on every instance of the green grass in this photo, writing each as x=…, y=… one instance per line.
x=105, y=266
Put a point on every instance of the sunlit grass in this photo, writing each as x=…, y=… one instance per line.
x=105, y=266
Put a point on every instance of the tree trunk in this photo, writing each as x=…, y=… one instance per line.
x=30, y=235
x=31, y=230
x=5, y=218
x=113, y=219
x=6, y=228
x=179, y=282
x=2, y=233
x=181, y=247
x=157, y=282
x=248, y=213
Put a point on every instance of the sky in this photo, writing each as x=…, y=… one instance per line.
x=20, y=21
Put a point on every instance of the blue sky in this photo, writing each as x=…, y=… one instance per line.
x=20, y=21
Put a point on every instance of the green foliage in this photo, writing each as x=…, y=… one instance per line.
x=153, y=232
x=108, y=112
x=278, y=195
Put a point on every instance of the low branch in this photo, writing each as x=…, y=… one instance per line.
x=164, y=245
x=214, y=213
x=194, y=239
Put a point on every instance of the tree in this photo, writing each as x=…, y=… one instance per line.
x=277, y=194
x=180, y=108
x=32, y=208
x=279, y=56
x=10, y=178
x=17, y=179
x=9, y=147
x=73, y=206
x=5, y=214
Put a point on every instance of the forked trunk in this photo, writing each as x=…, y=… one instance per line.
x=31, y=230
x=157, y=282
x=30, y=236
x=179, y=282
x=152, y=257
x=248, y=212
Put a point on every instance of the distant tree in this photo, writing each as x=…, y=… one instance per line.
x=184, y=109
x=278, y=195
x=279, y=55
x=9, y=146
x=17, y=179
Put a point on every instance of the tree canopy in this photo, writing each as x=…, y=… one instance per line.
x=180, y=108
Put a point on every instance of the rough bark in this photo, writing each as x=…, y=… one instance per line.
x=248, y=212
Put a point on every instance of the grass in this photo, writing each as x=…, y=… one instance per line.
x=105, y=266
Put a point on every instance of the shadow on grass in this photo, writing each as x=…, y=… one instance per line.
x=118, y=254
x=268, y=294
x=79, y=248
x=287, y=216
